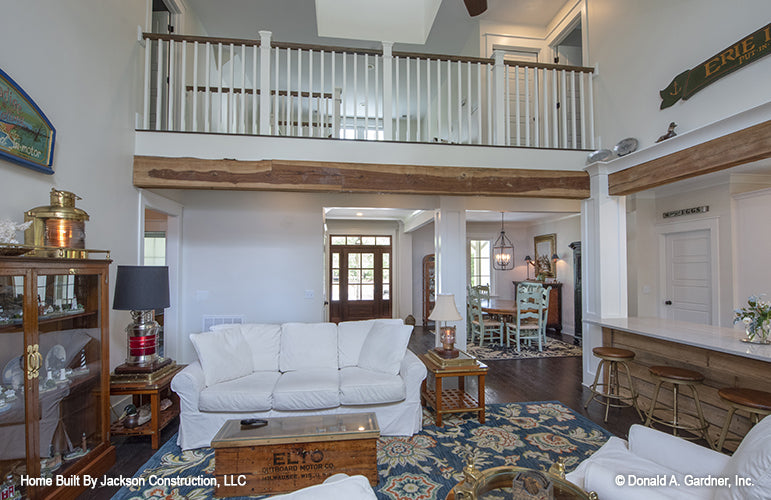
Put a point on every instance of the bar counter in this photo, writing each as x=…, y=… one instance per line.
x=716, y=352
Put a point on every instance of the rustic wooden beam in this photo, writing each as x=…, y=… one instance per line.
x=743, y=146
x=321, y=176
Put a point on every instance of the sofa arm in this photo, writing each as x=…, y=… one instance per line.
x=413, y=371
x=675, y=453
x=188, y=385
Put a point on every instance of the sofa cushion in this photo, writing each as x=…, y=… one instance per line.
x=365, y=387
x=384, y=348
x=306, y=346
x=224, y=355
x=351, y=336
x=251, y=393
x=312, y=389
x=265, y=343
x=752, y=459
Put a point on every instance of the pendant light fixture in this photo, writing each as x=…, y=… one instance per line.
x=503, y=251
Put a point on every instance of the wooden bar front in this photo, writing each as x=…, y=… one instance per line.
x=719, y=369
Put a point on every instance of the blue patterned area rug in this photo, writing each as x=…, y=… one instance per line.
x=427, y=465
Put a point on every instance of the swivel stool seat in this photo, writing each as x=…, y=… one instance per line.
x=611, y=393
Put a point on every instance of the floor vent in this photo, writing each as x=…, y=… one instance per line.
x=210, y=321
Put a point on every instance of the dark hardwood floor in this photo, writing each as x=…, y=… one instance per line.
x=542, y=379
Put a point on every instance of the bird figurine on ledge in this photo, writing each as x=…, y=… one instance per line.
x=670, y=133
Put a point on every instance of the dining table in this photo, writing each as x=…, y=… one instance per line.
x=499, y=306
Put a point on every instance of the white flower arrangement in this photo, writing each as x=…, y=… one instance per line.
x=756, y=318
x=8, y=230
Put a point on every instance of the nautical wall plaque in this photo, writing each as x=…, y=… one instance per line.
x=26, y=135
x=749, y=49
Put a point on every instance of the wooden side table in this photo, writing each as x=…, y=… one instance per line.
x=453, y=400
x=156, y=388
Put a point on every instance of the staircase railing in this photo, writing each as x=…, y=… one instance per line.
x=261, y=87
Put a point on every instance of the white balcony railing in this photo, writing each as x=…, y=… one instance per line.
x=198, y=84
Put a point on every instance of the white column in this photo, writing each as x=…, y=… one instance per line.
x=388, y=61
x=450, y=250
x=265, y=82
x=603, y=232
x=499, y=103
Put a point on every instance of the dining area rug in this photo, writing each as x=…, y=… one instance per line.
x=427, y=465
x=554, y=348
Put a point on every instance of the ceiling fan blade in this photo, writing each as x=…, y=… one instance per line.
x=475, y=7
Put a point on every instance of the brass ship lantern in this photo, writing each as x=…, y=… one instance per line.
x=59, y=225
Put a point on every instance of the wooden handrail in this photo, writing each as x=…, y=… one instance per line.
x=350, y=50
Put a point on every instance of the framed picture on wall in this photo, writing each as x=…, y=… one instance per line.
x=544, y=247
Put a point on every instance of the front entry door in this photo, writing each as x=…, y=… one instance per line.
x=360, y=281
x=688, y=277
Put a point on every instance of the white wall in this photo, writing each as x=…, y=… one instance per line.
x=641, y=46
x=422, y=245
x=753, y=274
x=78, y=60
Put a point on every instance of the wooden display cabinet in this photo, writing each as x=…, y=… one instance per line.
x=54, y=353
x=429, y=286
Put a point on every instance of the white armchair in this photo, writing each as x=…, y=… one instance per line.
x=655, y=465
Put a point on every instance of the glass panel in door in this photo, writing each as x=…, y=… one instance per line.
x=13, y=446
x=69, y=335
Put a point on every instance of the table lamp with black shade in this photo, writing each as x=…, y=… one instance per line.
x=445, y=310
x=142, y=290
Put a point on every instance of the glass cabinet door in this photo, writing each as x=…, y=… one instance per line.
x=69, y=335
x=13, y=421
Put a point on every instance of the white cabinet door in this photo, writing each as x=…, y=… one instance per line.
x=688, y=291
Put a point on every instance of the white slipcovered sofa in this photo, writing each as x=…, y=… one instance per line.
x=656, y=465
x=267, y=370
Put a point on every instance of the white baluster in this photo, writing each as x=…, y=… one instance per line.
x=438, y=99
x=479, y=103
x=460, y=102
x=546, y=109
x=490, y=110
x=299, y=93
x=517, y=101
x=311, y=132
x=366, y=96
x=537, y=105
x=183, y=93
x=500, y=118
x=429, y=121
x=322, y=125
x=507, y=105
x=219, y=88
x=398, y=103
x=554, y=110
x=276, y=107
x=335, y=132
x=449, y=103
x=574, y=120
x=355, y=96
x=231, y=116
x=527, y=107
x=564, y=109
x=418, y=92
x=582, y=97
x=170, y=107
x=207, y=95
x=347, y=88
x=159, y=87
x=195, y=86
x=148, y=56
x=590, y=111
x=409, y=106
x=288, y=106
x=468, y=98
x=241, y=123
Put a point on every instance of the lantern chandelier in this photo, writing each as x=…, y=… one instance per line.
x=503, y=251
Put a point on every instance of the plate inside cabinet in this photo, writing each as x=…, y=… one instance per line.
x=625, y=146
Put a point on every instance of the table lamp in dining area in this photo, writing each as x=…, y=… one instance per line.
x=142, y=290
x=445, y=310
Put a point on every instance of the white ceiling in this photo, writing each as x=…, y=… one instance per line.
x=296, y=20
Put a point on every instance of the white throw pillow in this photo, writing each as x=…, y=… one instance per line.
x=751, y=460
x=351, y=336
x=265, y=342
x=384, y=348
x=308, y=345
x=224, y=355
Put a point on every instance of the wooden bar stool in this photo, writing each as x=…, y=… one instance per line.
x=678, y=377
x=610, y=359
x=756, y=403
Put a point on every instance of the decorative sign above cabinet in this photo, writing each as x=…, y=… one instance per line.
x=686, y=211
x=26, y=135
x=743, y=52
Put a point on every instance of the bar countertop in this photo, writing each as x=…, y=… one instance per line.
x=715, y=338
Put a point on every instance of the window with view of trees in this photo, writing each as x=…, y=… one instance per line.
x=479, y=262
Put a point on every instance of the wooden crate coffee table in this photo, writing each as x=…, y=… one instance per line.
x=444, y=400
x=293, y=452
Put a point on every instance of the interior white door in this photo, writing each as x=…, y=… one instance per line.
x=688, y=291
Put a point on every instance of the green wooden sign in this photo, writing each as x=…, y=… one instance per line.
x=749, y=49
x=26, y=135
